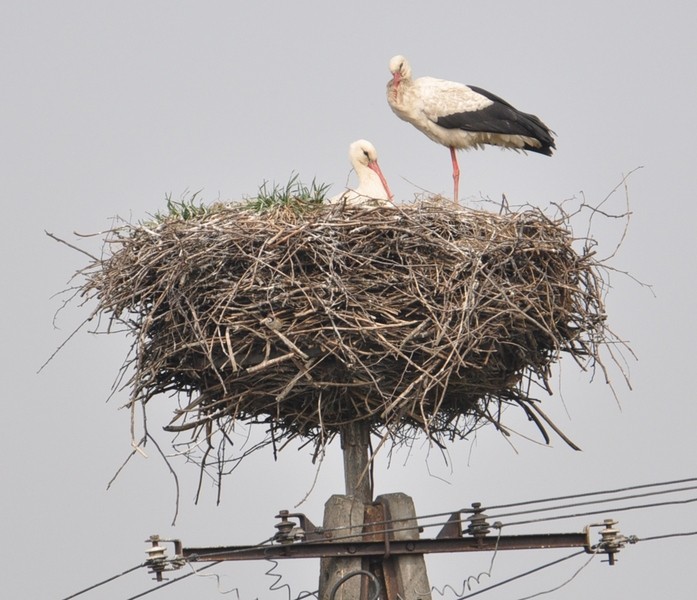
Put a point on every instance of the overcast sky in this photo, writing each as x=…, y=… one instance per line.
x=106, y=107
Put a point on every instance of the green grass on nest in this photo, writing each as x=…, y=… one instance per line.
x=294, y=195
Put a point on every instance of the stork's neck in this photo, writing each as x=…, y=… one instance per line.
x=369, y=183
x=401, y=99
x=395, y=89
x=365, y=175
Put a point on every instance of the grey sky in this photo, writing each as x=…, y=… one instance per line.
x=107, y=107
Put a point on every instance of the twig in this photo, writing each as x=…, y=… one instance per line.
x=52, y=236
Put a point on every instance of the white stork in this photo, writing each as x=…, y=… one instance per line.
x=462, y=116
x=372, y=185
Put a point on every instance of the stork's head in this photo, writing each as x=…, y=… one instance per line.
x=363, y=154
x=400, y=69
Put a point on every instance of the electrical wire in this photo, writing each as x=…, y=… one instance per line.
x=218, y=581
x=666, y=536
x=175, y=580
x=213, y=562
x=537, y=569
x=601, y=511
x=146, y=592
x=590, y=502
x=573, y=505
x=596, y=493
x=521, y=575
x=271, y=572
x=352, y=534
x=488, y=588
x=470, y=510
x=467, y=582
x=274, y=587
x=374, y=580
x=562, y=584
x=552, y=563
x=96, y=585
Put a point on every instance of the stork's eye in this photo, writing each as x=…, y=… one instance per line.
x=365, y=153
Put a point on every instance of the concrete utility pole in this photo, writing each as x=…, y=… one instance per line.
x=357, y=518
x=355, y=444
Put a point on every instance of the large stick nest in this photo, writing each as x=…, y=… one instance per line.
x=417, y=318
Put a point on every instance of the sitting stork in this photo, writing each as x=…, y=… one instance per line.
x=372, y=185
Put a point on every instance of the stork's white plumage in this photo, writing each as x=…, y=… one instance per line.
x=372, y=185
x=461, y=117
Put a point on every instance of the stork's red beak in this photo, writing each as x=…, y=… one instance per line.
x=375, y=167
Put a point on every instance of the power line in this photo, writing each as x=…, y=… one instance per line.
x=552, y=563
x=175, y=580
x=96, y=585
x=666, y=536
x=467, y=582
x=537, y=569
x=488, y=588
x=563, y=583
x=193, y=572
x=521, y=575
x=597, y=512
x=509, y=580
x=470, y=510
x=596, y=493
x=590, y=502
x=350, y=534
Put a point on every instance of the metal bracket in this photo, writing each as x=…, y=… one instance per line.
x=288, y=531
x=611, y=540
x=452, y=529
x=477, y=524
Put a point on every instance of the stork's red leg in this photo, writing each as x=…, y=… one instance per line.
x=456, y=175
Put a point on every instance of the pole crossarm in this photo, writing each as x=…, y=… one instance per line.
x=395, y=555
x=387, y=547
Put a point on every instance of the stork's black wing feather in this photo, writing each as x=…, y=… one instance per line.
x=501, y=117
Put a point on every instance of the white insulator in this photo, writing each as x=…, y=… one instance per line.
x=156, y=552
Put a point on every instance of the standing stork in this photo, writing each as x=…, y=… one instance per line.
x=372, y=184
x=462, y=116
